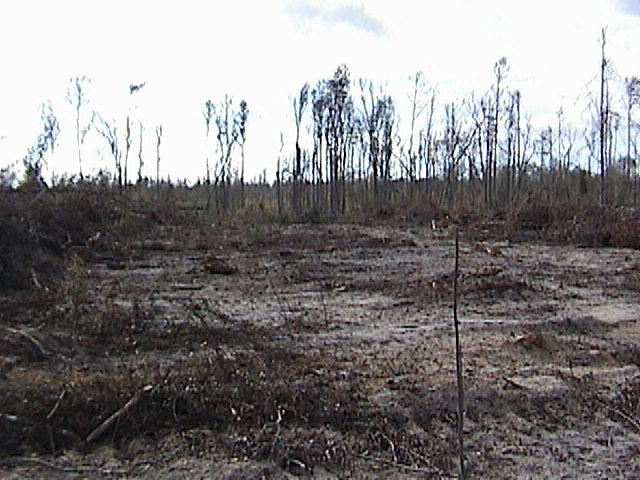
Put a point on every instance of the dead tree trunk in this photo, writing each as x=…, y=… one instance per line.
x=158, y=141
x=603, y=121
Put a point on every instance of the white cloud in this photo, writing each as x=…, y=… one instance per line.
x=350, y=14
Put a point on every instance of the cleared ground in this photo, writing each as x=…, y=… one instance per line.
x=326, y=351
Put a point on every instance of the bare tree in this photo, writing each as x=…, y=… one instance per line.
x=386, y=113
x=419, y=104
x=76, y=97
x=127, y=140
x=230, y=131
x=456, y=142
x=140, y=161
x=545, y=149
x=514, y=141
x=603, y=121
x=227, y=137
x=46, y=141
x=633, y=98
x=279, y=176
x=500, y=69
x=426, y=141
x=299, y=105
x=560, y=140
x=525, y=154
x=483, y=116
x=373, y=108
x=319, y=110
x=110, y=133
x=208, y=113
x=340, y=114
x=158, y=141
x=241, y=125
x=133, y=88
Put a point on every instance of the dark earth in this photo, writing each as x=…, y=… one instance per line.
x=248, y=351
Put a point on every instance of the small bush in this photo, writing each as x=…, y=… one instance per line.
x=75, y=284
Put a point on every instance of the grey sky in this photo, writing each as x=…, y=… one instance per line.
x=188, y=51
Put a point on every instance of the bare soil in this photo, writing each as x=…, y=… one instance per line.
x=326, y=351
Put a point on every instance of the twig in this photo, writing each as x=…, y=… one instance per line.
x=635, y=423
x=49, y=417
x=324, y=308
x=30, y=338
x=147, y=464
x=282, y=300
x=393, y=447
x=512, y=384
x=276, y=436
x=55, y=407
x=7, y=417
x=82, y=469
x=119, y=413
x=34, y=278
x=617, y=411
x=428, y=462
x=173, y=408
x=407, y=468
x=458, y=362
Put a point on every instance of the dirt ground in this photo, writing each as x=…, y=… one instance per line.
x=326, y=351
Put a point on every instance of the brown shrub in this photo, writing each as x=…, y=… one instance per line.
x=583, y=224
x=38, y=228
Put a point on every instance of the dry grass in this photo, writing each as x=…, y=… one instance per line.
x=576, y=224
x=260, y=401
x=69, y=360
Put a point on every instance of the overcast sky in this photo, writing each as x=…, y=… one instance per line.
x=263, y=51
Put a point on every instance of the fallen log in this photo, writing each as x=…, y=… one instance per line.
x=100, y=429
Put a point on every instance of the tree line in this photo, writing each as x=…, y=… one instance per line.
x=484, y=152
x=349, y=152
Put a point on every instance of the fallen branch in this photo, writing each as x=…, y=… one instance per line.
x=29, y=338
x=8, y=418
x=393, y=448
x=81, y=469
x=513, y=384
x=619, y=412
x=324, y=308
x=276, y=437
x=187, y=286
x=407, y=468
x=119, y=413
x=55, y=407
x=49, y=417
x=632, y=421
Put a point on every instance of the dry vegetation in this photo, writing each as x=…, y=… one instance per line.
x=259, y=349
